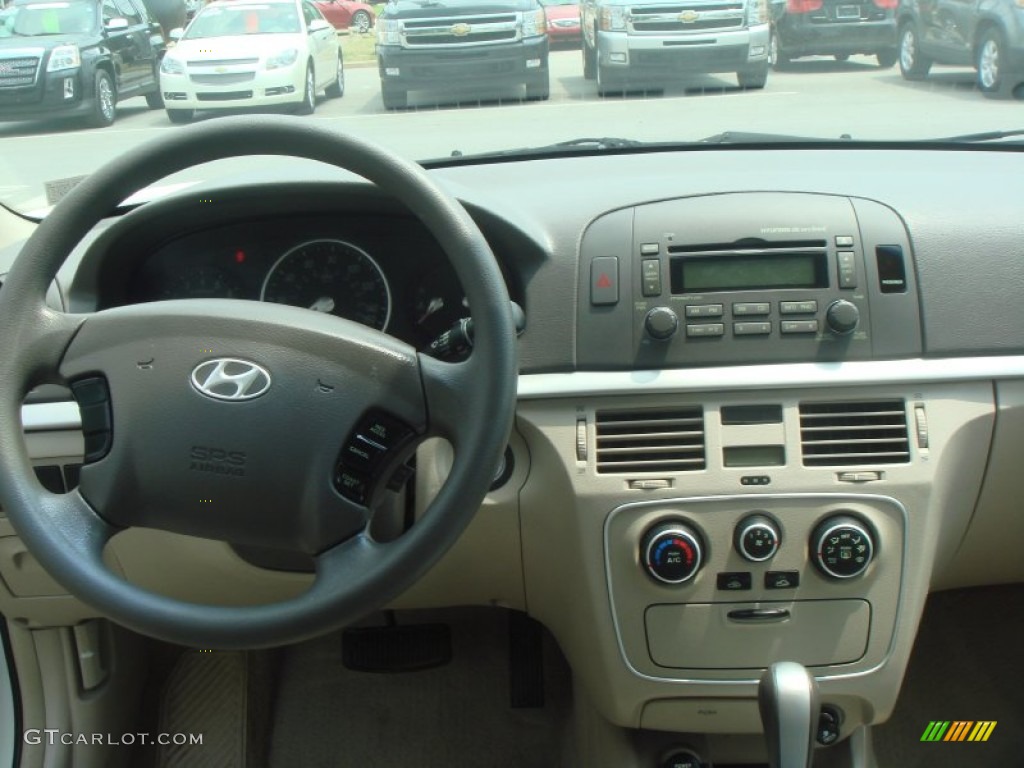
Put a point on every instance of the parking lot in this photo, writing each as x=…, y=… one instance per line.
x=824, y=97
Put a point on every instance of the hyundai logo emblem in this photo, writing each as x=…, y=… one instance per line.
x=227, y=378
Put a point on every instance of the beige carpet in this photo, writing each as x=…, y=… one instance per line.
x=456, y=715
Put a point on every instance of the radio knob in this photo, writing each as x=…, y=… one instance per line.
x=661, y=323
x=842, y=317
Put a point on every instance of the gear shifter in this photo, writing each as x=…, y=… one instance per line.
x=788, y=699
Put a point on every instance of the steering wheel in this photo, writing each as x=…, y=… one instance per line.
x=208, y=418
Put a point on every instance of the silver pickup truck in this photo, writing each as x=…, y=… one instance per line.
x=632, y=44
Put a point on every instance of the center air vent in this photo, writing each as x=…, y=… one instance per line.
x=843, y=434
x=651, y=440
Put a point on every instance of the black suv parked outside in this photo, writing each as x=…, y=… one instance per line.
x=985, y=34
x=837, y=28
x=77, y=58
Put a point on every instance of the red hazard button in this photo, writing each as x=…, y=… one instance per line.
x=604, y=281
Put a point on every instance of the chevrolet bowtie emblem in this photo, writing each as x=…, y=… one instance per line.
x=688, y=17
x=461, y=30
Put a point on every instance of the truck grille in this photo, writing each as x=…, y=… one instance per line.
x=18, y=72
x=461, y=31
x=686, y=18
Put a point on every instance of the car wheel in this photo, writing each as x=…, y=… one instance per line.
x=180, y=116
x=361, y=22
x=753, y=79
x=776, y=58
x=888, y=57
x=104, y=99
x=539, y=89
x=914, y=65
x=154, y=100
x=589, y=62
x=991, y=57
x=308, y=105
x=337, y=89
x=394, y=98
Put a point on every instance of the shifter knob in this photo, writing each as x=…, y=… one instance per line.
x=788, y=699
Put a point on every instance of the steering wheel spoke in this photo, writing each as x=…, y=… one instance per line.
x=234, y=420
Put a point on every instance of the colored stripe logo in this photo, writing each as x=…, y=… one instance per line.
x=958, y=730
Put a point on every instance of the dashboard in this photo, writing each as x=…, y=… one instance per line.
x=701, y=442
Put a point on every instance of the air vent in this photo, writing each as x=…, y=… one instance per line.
x=842, y=434
x=650, y=440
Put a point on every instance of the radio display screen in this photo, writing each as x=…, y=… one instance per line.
x=745, y=273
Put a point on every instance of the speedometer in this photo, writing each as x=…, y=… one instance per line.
x=334, y=277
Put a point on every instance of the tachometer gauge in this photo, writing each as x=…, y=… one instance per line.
x=202, y=282
x=334, y=277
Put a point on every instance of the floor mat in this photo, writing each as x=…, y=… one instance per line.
x=455, y=715
x=967, y=665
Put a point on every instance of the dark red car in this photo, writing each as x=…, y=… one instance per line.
x=563, y=20
x=345, y=14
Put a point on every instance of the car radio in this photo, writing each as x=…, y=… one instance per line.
x=741, y=278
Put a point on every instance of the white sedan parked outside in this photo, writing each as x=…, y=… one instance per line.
x=237, y=53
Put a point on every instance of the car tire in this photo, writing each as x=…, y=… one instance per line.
x=776, y=58
x=589, y=62
x=104, y=100
x=887, y=58
x=990, y=58
x=753, y=79
x=914, y=65
x=539, y=88
x=154, y=100
x=394, y=98
x=337, y=89
x=180, y=116
x=308, y=104
x=361, y=22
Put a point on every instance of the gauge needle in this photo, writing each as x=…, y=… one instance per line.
x=323, y=304
x=435, y=304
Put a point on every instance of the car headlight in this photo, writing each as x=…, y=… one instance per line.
x=171, y=66
x=533, y=23
x=389, y=32
x=613, y=18
x=282, y=59
x=64, y=57
x=757, y=12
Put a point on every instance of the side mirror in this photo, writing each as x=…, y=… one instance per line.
x=318, y=24
x=175, y=34
x=113, y=25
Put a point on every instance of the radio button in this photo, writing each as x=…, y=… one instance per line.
x=847, y=265
x=651, y=274
x=752, y=308
x=844, y=241
x=699, y=330
x=799, y=326
x=703, y=310
x=798, y=307
x=651, y=249
x=751, y=329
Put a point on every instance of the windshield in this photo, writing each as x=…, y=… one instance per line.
x=39, y=19
x=244, y=19
x=450, y=79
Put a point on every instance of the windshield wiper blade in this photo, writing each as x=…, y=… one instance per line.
x=582, y=145
x=978, y=138
x=750, y=137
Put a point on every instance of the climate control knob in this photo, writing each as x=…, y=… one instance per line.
x=757, y=538
x=672, y=552
x=842, y=317
x=842, y=546
x=661, y=323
